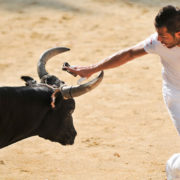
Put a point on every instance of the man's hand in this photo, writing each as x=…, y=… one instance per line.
x=80, y=70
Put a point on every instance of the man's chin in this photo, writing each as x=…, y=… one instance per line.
x=169, y=46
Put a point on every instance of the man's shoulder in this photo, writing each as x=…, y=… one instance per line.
x=153, y=38
x=152, y=45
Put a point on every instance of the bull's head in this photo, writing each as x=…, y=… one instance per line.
x=58, y=123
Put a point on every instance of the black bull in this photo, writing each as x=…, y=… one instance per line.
x=27, y=110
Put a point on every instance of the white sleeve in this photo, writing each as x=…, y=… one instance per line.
x=151, y=44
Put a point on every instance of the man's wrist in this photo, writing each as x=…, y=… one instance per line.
x=94, y=68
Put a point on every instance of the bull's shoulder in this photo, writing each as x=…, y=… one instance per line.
x=25, y=93
x=22, y=89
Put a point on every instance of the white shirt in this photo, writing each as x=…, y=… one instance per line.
x=170, y=59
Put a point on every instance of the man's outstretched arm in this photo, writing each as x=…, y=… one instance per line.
x=113, y=61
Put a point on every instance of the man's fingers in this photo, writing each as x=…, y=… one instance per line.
x=76, y=70
x=70, y=70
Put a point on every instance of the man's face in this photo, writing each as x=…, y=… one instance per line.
x=168, y=39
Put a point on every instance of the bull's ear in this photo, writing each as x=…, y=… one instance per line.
x=29, y=80
x=26, y=78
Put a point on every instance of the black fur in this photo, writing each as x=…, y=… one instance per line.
x=26, y=111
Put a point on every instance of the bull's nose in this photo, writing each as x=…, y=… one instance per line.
x=70, y=141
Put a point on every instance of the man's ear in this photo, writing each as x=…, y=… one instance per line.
x=177, y=34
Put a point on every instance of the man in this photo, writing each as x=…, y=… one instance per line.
x=165, y=43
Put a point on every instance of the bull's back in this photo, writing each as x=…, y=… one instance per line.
x=21, y=111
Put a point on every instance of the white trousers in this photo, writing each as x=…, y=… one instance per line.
x=172, y=101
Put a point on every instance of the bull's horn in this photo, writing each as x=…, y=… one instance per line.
x=75, y=91
x=46, y=56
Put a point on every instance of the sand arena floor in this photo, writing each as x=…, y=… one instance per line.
x=124, y=130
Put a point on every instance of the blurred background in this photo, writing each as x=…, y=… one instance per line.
x=124, y=130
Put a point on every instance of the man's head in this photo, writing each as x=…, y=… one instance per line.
x=167, y=23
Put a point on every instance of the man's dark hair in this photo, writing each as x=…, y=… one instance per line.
x=169, y=17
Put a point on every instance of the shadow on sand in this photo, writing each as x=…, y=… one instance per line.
x=20, y=5
x=72, y=6
x=152, y=3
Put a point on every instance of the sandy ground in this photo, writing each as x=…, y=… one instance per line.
x=124, y=130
